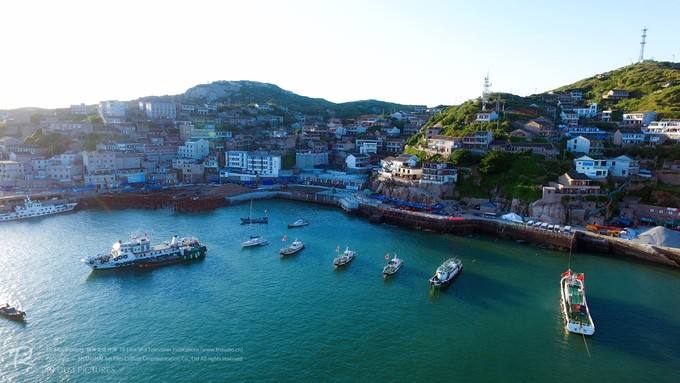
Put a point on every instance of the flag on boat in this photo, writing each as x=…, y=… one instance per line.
x=566, y=273
x=387, y=256
x=580, y=277
x=285, y=238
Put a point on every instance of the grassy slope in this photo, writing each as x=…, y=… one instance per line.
x=645, y=81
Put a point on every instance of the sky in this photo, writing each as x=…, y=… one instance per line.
x=57, y=53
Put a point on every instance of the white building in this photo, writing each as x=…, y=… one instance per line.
x=621, y=166
x=112, y=109
x=443, y=144
x=196, y=150
x=258, y=163
x=589, y=112
x=640, y=118
x=668, y=128
x=592, y=168
x=82, y=109
x=438, y=173
x=486, y=116
x=369, y=146
x=310, y=159
x=578, y=144
x=158, y=110
x=357, y=162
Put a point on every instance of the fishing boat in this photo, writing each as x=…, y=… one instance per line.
x=293, y=248
x=139, y=252
x=12, y=313
x=254, y=240
x=32, y=209
x=250, y=219
x=574, y=306
x=346, y=257
x=393, y=265
x=446, y=272
x=298, y=223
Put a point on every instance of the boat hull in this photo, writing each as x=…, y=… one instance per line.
x=166, y=259
x=9, y=217
x=289, y=251
x=569, y=325
x=246, y=221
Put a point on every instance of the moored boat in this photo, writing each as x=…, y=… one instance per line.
x=248, y=220
x=11, y=312
x=574, y=305
x=393, y=265
x=446, y=272
x=295, y=247
x=33, y=209
x=140, y=253
x=298, y=223
x=254, y=240
x=346, y=257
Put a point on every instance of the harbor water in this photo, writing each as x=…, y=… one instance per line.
x=248, y=315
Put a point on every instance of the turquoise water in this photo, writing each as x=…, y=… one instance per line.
x=247, y=315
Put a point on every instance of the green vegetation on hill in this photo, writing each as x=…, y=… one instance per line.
x=652, y=85
x=57, y=143
x=249, y=92
x=512, y=176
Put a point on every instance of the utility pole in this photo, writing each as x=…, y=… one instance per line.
x=642, y=44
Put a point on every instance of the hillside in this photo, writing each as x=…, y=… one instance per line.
x=247, y=92
x=652, y=85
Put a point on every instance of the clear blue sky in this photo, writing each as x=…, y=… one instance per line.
x=422, y=52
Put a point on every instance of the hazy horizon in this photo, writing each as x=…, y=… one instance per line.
x=404, y=52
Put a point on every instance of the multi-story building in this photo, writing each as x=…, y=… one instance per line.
x=478, y=141
x=112, y=111
x=258, y=163
x=628, y=136
x=621, y=166
x=11, y=172
x=443, y=144
x=668, y=128
x=369, y=146
x=196, y=150
x=82, y=109
x=159, y=110
x=639, y=118
x=585, y=145
x=486, y=116
x=438, y=173
x=357, y=162
x=310, y=159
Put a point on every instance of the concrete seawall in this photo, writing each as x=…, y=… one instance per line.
x=578, y=241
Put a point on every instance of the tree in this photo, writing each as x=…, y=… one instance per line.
x=494, y=162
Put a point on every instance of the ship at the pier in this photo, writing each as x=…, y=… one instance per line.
x=32, y=209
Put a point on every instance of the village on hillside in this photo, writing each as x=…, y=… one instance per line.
x=571, y=156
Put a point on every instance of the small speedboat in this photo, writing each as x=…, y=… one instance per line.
x=445, y=273
x=254, y=240
x=294, y=247
x=393, y=265
x=346, y=257
x=298, y=223
x=11, y=312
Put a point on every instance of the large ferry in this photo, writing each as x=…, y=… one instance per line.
x=574, y=305
x=140, y=253
x=32, y=209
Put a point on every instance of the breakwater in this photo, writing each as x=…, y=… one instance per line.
x=191, y=201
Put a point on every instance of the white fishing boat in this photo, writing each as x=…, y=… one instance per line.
x=346, y=257
x=446, y=272
x=295, y=247
x=574, y=305
x=298, y=223
x=254, y=240
x=393, y=265
x=32, y=209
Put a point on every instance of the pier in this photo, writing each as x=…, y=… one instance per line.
x=197, y=199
